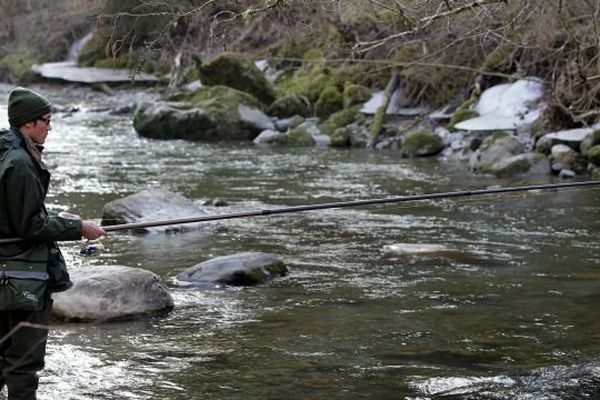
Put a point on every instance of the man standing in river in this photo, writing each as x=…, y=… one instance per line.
x=32, y=268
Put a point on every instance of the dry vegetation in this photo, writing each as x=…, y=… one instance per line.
x=443, y=50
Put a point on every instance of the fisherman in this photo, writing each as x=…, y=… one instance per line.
x=33, y=268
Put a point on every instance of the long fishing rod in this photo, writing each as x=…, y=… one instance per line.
x=338, y=204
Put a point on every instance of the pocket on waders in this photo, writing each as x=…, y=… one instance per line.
x=22, y=289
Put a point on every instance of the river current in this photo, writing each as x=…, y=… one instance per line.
x=507, y=311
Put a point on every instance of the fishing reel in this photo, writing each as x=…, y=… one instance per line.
x=92, y=248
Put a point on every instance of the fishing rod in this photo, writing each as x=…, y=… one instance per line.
x=338, y=204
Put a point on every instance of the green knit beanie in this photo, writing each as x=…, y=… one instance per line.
x=25, y=105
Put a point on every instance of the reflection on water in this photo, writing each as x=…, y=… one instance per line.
x=508, y=311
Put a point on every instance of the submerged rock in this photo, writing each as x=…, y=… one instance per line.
x=409, y=249
x=111, y=292
x=242, y=269
x=154, y=205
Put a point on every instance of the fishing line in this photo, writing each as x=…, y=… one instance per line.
x=341, y=204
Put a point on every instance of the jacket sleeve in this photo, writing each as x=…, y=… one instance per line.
x=27, y=212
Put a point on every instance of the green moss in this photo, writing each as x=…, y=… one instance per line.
x=516, y=167
x=595, y=136
x=255, y=275
x=500, y=59
x=312, y=54
x=464, y=112
x=341, y=118
x=122, y=61
x=594, y=154
x=277, y=269
x=18, y=68
x=306, y=83
x=238, y=72
x=422, y=142
x=290, y=105
x=298, y=137
x=221, y=98
x=340, y=137
x=329, y=101
x=355, y=94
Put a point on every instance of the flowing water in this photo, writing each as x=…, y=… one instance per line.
x=507, y=311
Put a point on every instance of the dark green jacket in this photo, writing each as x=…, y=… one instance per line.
x=24, y=183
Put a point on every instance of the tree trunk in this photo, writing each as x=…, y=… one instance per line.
x=380, y=114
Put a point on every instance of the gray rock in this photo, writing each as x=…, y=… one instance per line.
x=520, y=164
x=567, y=173
x=242, y=269
x=544, y=145
x=493, y=149
x=154, y=205
x=268, y=136
x=255, y=117
x=591, y=140
x=212, y=113
x=111, y=292
x=322, y=140
x=564, y=154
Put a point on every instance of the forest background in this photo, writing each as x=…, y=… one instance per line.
x=443, y=51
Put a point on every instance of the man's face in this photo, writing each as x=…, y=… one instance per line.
x=38, y=130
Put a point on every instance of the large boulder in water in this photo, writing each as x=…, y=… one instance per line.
x=111, y=292
x=498, y=146
x=242, y=269
x=214, y=113
x=522, y=164
x=154, y=205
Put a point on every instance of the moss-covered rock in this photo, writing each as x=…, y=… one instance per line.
x=422, y=142
x=594, y=154
x=222, y=98
x=341, y=118
x=211, y=113
x=527, y=163
x=355, y=94
x=238, y=72
x=296, y=137
x=242, y=269
x=590, y=141
x=329, y=101
x=496, y=147
x=594, y=171
x=350, y=136
x=290, y=105
x=309, y=82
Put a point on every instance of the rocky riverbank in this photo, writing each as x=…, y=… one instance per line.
x=497, y=132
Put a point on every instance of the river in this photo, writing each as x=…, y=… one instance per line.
x=507, y=311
